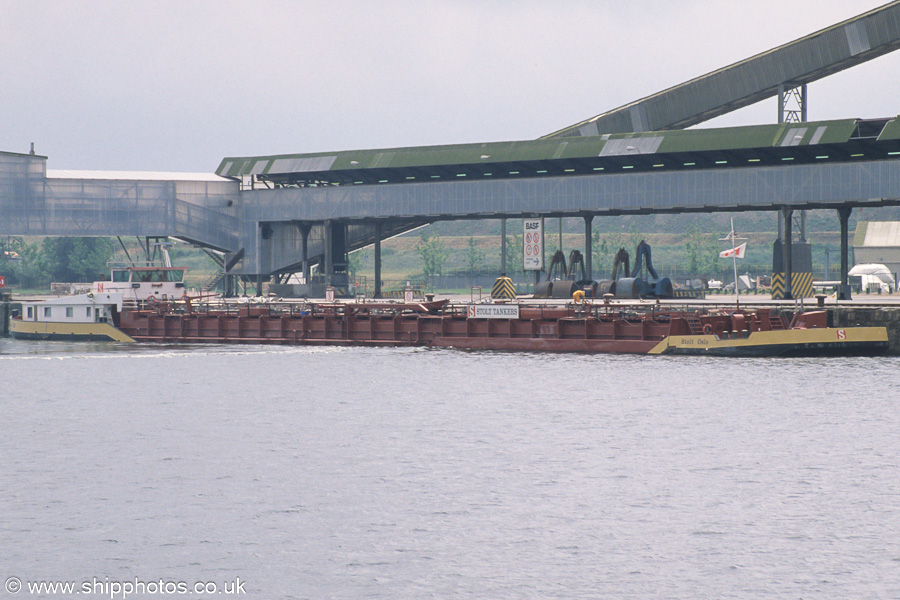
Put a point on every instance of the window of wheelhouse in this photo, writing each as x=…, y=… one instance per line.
x=30, y=312
x=121, y=276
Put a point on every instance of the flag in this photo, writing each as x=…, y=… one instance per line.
x=736, y=252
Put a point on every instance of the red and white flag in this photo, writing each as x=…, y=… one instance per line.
x=736, y=252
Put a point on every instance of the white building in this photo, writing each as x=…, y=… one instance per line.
x=878, y=242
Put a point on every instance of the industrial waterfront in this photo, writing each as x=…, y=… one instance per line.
x=408, y=470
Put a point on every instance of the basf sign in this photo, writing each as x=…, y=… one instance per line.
x=533, y=244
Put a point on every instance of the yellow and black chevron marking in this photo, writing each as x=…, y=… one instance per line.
x=778, y=286
x=688, y=294
x=801, y=285
x=503, y=288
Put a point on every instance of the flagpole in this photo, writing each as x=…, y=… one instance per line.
x=734, y=259
x=735, y=250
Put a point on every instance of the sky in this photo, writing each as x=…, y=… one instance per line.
x=177, y=85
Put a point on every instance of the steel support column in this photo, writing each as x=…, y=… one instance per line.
x=377, y=292
x=304, y=249
x=844, y=216
x=329, y=254
x=503, y=247
x=787, y=214
x=795, y=113
x=588, y=247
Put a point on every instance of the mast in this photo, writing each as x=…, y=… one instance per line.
x=737, y=290
x=732, y=239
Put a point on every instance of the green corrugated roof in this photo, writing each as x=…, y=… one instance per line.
x=730, y=138
x=891, y=131
x=694, y=140
x=838, y=132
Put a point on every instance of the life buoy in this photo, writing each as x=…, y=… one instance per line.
x=578, y=296
x=707, y=329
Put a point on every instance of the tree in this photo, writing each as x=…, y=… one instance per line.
x=634, y=237
x=78, y=259
x=702, y=252
x=30, y=269
x=354, y=263
x=515, y=254
x=62, y=259
x=604, y=251
x=474, y=256
x=11, y=246
x=433, y=253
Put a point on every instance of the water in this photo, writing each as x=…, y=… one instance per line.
x=414, y=473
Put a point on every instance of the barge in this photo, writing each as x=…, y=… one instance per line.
x=585, y=327
x=95, y=316
x=91, y=317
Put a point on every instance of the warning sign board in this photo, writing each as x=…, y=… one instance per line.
x=533, y=244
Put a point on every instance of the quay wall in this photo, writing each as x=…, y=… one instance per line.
x=5, y=309
x=869, y=316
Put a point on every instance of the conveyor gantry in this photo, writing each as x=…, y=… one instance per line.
x=792, y=65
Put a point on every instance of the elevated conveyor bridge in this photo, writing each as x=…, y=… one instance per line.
x=766, y=75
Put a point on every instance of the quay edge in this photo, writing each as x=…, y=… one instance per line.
x=6, y=308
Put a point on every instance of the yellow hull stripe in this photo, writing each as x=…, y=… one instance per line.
x=63, y=330
x=830, y=335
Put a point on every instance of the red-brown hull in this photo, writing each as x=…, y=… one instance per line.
x=537, y=329
x=548, y=345
x=547, y=328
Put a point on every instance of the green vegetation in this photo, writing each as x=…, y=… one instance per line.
x=514, y=250
x=433, y=253
x=31, y=264
x=354, y=263
x=702, y=251
x=474, y=256
x=57, y=259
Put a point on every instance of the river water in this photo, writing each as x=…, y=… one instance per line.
x=415, y=473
